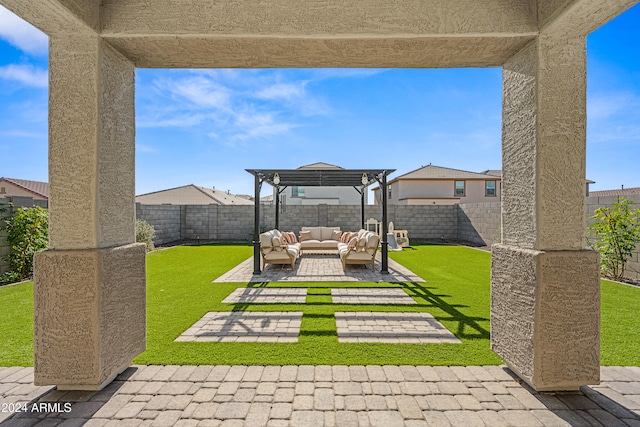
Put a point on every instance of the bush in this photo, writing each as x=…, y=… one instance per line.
x=145, y=233
x=28, y=232
x=615, y=232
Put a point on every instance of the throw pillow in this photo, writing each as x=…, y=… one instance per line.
x=292, y=237
x=336, y=234
x=275, y=242
x=353, y=243
x=305, y=235
x=283, y=241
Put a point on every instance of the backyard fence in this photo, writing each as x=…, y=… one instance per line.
x=475, y=223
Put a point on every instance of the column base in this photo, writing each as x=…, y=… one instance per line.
x=90, y=315
x=545, y=315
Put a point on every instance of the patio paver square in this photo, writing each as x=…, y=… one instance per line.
x=412, y=328
x=241, y=326
x=267, y=296
x=370, y=296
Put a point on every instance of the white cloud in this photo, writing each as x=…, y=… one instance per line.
x=286, y=91
x=179, y=120
x=25, y=74
x=143, y=148
x=200, y=91
x=606, y=105
x=22, y=134
x=21, y=34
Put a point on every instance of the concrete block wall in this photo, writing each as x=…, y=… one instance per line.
x=164, y=218
x=426, y=222
x=479, y=223
x=12, y=203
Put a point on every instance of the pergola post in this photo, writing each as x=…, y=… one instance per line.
x=362, y=216
x=384, y=243
x=256, y=227
x=277, y=225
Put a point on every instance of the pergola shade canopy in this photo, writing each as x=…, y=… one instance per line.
x=320, y=177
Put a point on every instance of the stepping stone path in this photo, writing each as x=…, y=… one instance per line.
x=406, y=328
x=245, y=326
x=267, y=296
x=370, y=296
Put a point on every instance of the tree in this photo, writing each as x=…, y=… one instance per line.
x=615, y=232
x=28, y=232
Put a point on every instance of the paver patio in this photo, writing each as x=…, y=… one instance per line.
x=316, y=266
x=255, y=396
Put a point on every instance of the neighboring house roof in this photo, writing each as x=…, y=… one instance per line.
x=191, y=195
x=320, y=165
x=620, y=192
x=439, y=172
x=493, y=172
x=37, y=187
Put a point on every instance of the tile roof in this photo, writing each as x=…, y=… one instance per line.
x=494, y=172
x=620, y=192
x=191, y=195
x=320, y=165
x=439, y=172
x=38, y=187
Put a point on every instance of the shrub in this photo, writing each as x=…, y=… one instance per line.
x=145, y=233
x=28, y=232
x=615, y=232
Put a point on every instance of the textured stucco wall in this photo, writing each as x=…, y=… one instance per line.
x=545, y=315
x=322, y=33
x=90, y=316
x=91, y=145
x=544, y=145
x=518, y=149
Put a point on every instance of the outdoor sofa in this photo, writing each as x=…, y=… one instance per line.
x=279, y=248
x=319, y=238
x=361, y=248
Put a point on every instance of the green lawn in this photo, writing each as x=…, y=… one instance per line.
x=179, y=292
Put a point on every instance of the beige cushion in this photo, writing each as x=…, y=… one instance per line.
x=335, y=235
x=316, y=233
x=327, y=232
x=305, y=235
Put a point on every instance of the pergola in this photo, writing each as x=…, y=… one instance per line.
x=280, y=179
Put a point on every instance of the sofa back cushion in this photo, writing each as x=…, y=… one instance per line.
x=305, y=235
x=327, y=233
x=316, y=232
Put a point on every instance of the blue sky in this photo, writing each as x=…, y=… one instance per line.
x=206, y=126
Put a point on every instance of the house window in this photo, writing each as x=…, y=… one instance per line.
x=297, y=191
x=490, y=188
x=459, y=189
x=389, y=191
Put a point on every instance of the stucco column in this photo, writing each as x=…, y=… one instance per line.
x=545, y=291
x=89, y=290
